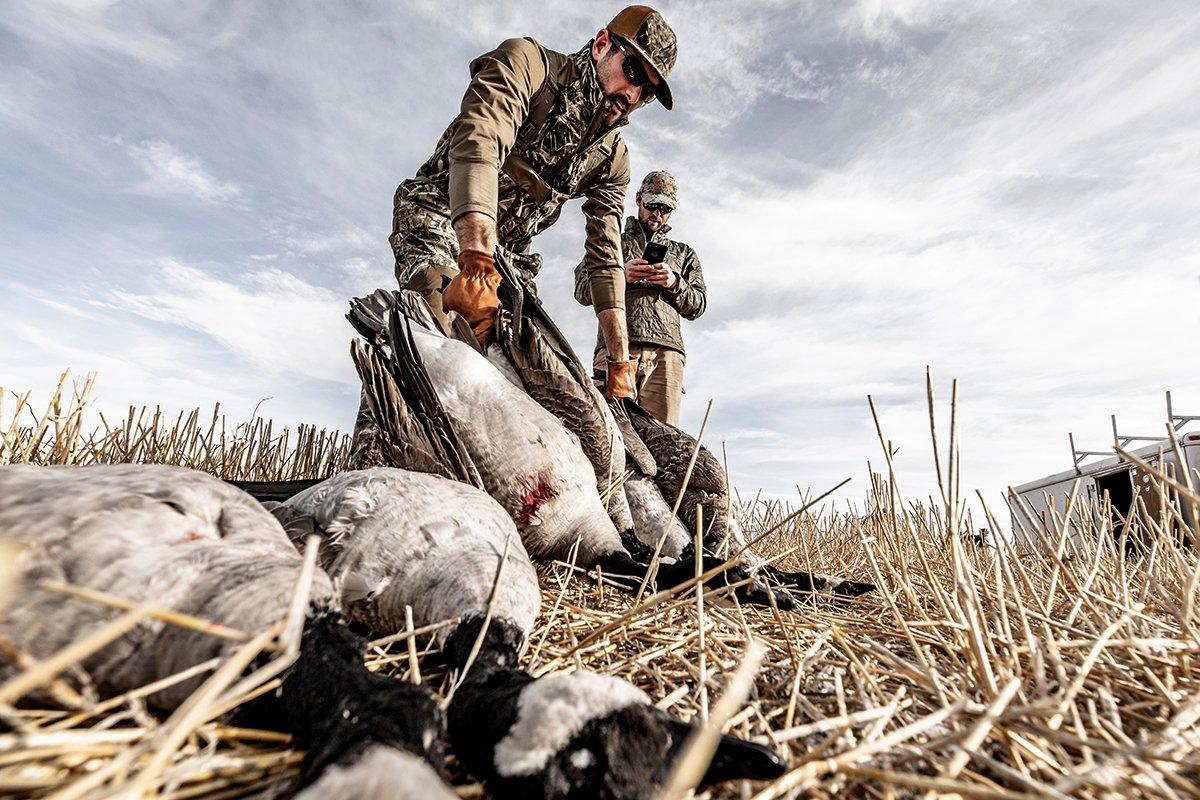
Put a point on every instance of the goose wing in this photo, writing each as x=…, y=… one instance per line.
x=672, y=449
x=369, y=315
x=414, y=432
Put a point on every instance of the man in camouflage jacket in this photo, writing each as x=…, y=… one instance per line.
x=656, y=297
x=535, y=129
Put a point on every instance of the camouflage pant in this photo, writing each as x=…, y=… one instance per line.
x=426, y=250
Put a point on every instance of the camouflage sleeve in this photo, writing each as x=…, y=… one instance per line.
x=603, y=206
x=583, y=285
x=493, y=108
x=690, y=296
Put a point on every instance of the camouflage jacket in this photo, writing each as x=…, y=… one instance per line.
x=527, y=138
x=653, y=312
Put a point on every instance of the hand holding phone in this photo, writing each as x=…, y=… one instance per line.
x=637, y=270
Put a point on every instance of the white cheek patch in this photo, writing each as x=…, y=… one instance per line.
x=380, y=773
x=552, y=710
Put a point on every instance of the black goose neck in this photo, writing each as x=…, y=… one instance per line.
x=337, y=708
x=500, y=648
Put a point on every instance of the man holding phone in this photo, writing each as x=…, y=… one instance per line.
x=663, y=283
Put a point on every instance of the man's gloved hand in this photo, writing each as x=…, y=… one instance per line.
x=622, y=379
x=472, y=293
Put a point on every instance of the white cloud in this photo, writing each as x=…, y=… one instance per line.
x=273, y=321
x=358, y=268
x=311, y=243
x=171, y=172
x=98, y=26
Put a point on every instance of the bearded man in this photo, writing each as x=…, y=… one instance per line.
x=536, y=128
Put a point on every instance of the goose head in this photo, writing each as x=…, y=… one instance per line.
x=582, y=735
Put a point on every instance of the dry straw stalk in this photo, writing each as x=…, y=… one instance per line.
x=1063, y=666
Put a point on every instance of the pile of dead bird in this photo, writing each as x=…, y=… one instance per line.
x=508, y=586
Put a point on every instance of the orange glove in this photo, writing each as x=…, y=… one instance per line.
x=622, y=379
x=472, y=293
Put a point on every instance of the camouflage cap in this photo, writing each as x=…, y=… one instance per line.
x=658, y=187
x=652, y=38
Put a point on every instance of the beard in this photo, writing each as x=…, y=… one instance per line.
x=616, y=109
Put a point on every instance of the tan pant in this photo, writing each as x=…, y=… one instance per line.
x=659, y=379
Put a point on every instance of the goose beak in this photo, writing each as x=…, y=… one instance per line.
x=853, y=588
x=738, y=759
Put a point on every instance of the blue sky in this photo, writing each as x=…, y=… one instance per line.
x=1006, y=191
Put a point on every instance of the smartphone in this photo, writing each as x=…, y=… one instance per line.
x=655, y=252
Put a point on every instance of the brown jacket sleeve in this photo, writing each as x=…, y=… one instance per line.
x=603, y=206
x=493, y=108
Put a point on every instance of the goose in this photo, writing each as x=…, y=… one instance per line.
x=523, y=456
x=394, y=538
x=652, y=517
x=440, y=398
x=191, y=543
x=534, y=356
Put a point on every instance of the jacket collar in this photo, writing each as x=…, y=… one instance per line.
x=589, y=85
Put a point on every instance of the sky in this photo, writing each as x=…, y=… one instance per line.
x=1004, y=191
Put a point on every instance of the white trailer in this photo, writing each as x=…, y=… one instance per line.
x=1041, y=503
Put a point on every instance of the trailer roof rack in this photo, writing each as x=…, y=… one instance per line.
x=1178, y=421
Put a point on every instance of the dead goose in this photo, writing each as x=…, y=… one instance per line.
x=434, y=545
x=523, y=455
x=652, y=517
x=431, y=395
x=391, y=538
x=530, y=359
x=191, y=543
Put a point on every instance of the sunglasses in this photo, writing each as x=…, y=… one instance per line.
x=635, y=72
x=659, y=207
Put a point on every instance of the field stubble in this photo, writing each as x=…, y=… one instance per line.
x=1063, y=666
